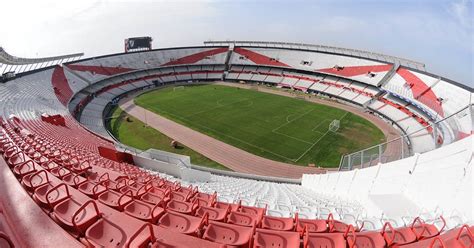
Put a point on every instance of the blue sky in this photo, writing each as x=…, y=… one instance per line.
x=438, y=33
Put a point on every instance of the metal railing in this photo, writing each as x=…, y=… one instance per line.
x=16, y=65
x=443, y=132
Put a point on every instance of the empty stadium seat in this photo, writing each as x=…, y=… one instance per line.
x=144, y=211
x=35, y=180
x=273, y=238
x=76, y=215
x=114, y=199
x=424, y=230
x=49, y=195
x=324, y=240
x=369, y=239
x=182, y=206
x=228, y=234
x=278, y=223
x=113, y=231
x=25, y=168
x=311, y=225
x=243, y=219
x=182, y=223
x=91, y=189
x=215, y=214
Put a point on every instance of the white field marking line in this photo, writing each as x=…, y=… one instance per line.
x=311, y=147
x=218, y=106
x=288, y=116
x=263, y=149
x=251, y=103
x=288, y=122
x=318, y=132
x=319, y=124
x=219, y=102
x=291, y=137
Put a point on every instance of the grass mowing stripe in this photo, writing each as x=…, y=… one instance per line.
x=311, y=147
x=234, y=138
x=248, y=118
x=135, y=134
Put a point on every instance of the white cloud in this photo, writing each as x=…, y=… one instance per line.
x=441, y=38
x=462, y=11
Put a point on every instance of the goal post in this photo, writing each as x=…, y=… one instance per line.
x=178, y=88
x=334, y=125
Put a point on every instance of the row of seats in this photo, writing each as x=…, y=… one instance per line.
x=106, y=203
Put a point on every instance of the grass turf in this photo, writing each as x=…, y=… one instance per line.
x=135, y=134
x=272, y=126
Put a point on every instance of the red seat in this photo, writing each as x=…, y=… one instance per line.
x=41, y=160
x=464, y=238
x=80, y=168
x=91, y=189
x=154, y=196
x=115, y=185
x=49, y=195
x=34, y=180
x=73, y=180
x=114, y=199
x=159, y=243
x=135, y=192
x=59, y=172
x=144, y=211
x=158, y=191
x=228, y=234
x=112, y=232
x=278, y=223
x=189, y=191
x=182, y=223
x=242, y=219
x=423, y=230
x=258, y=212
x=204, y=201
x=370, y=239
x=313, y=226
x=97, y=177
x=76, y=216
x=182, y=207
x=24, y=168
x=337, y=226
x=179, y=196
x=456, y=238
x=216, y=214
x=13, y=155
x=205, y=196
x=403, y=235
x=49, y=165
x=324, y=240
x=273, y=238
x=225, y=205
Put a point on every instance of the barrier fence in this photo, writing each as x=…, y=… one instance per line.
x=443, y=132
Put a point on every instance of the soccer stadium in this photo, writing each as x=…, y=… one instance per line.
x=233, y=143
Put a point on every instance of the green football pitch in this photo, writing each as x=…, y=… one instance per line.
x=272, y=126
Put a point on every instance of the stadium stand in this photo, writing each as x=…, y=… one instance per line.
x=69, y=182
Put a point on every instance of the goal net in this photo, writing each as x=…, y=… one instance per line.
x=334, y=125
x=178, y=88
